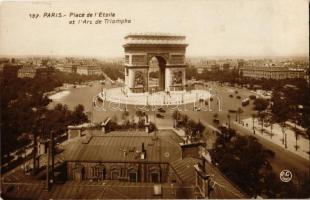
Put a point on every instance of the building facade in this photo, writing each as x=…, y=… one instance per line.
x=88, y=70
x=273, y=72
x=123, y=157
x=168, y=50
x=10, y=70
x=27, y=72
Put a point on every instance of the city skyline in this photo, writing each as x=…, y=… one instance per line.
x=212, y=28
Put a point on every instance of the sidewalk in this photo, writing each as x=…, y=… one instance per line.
x=277, y=137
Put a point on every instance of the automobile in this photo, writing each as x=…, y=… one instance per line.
x=245, y=102
x=161, y=110
x=267, y=124
x=216, y=121
x=197, y=108
x=252, y=97
x=158, y=115
x=232, y=111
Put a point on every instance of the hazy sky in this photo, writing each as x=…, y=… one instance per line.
x=212, y=27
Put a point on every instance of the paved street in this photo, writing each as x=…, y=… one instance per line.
x=277, y=137
x=283, y=159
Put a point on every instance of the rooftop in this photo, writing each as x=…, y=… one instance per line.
x=184, y=168
x=111, y=147
x=272, y=68
x=98, y=190
x=125, y=147
x=149, y=34
x=154, y=39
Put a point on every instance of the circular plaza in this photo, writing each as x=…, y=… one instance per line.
x=154, y=72
x=117, y=95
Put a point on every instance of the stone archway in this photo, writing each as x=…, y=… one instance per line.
x=168, y=49
x=157, y=63
x=162, y=68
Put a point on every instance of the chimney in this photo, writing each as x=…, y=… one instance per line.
x=143, y=153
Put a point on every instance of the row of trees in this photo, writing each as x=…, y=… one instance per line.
x=287, y=104
x=74, y=78
x=193, y=130
x=113, y=70
x=23, y=106
x=235, y=76
x=245, y=161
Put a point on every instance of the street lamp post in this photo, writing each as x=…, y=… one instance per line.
x=155, y=122
x=40, y=121
x=50, y=169
x=47, y=180
x=228, y=116
x=286, y=140
x=52, y=145
x=34, y=170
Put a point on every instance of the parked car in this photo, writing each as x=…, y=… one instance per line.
x=158, y=115
x=245, y=102
x=161, y=110
x=197, y=108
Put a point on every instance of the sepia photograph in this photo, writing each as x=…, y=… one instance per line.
x=145, y=99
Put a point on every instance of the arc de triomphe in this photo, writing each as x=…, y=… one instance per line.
x=168, y=52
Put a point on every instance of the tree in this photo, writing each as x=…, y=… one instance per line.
x=125, y=114
x=189, y=128
x=253, y=121
x=283, y=130
x=260, y=104
x=176, y=115
x=197, y=130
x=139, y=113
x=78, y=115
x=297, y=133
x=271, y=128
x=243, y=160
x=228, y=117
x=141, y=123
x=308, y=134
x=262, y=116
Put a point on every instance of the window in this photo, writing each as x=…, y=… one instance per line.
x=78, y=172
x=115, y=173
x=99, y=171
x=155, y=178
x=133, y=174
x=154, y=174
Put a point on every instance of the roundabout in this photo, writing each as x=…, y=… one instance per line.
x=154, y=73
x=161, y=98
